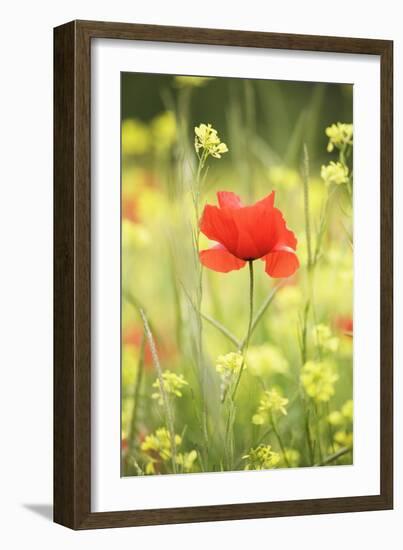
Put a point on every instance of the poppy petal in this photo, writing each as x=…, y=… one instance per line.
x=219, y=259
x=284, y=236
x=227, y=199
x=256, y=229
x=267, y=202
x=218, y=225
x=252, y=232
x=281, y=262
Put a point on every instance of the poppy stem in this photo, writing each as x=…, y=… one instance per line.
x=262, y=310
x=248, y=334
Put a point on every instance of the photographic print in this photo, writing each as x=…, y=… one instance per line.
x=236, y=274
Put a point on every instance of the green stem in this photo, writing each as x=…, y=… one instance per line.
x=229, y=435
x=249, y=332
x=177, y=298
x=311, y=258
x=280, y=441
x=137, y=386
x=306, y=206
x=202, y=370
x=334, y=456
x=165, y=399
x=229, y=432
x=311, y=284
x=222, y=329
x=318, y=434
x=322, y=224
x=213, y=322
x=308, y=435
x=330, y=429
x=262, y=311
x=249, y=133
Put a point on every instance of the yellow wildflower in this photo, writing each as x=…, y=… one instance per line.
x=230, y=362
x=335, y=418
x=343, y=438
x=157, y=447
x=150, y=467
x=342, y=417
x=339, y=136
x=206, y=138
x=318, y=379
x=228, y=366
x=293, y=458
x=347, y=410
x=160, y=443
x=323, y=338
x=334, y=173
x=261, y=458
x=187, y=460
x=271, y=402
x=172, y=385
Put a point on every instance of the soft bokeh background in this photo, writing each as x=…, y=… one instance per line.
x=265, y=125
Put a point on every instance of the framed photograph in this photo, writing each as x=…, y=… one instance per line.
x=222, y=275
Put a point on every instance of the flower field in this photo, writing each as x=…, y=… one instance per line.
x=237, y=274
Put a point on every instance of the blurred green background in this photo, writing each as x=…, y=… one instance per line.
x=285, y=112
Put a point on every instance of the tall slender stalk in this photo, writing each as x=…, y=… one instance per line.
x=261, y=311
x=310, y=304
x=330, y=429
x=311, y=449
x=230, y=401
x=167, y=406
x=318, y=434
x=196, y=198
x=279, y=439
x=227, y=333
x=136, y=396
x=249, y=332
x=250, y=132
x=213, y=322
x=305, y=180
x=239, y=344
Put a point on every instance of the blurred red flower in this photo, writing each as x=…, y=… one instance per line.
x=345, y=325
x=130, y=208
x=132, y=336
x=246, y=233
x=124, y=445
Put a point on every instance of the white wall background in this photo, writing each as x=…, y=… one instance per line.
x=26, y=271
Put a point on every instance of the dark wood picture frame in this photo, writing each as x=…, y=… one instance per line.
x=72, y=274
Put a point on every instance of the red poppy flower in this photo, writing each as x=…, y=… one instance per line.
x=246, y=233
